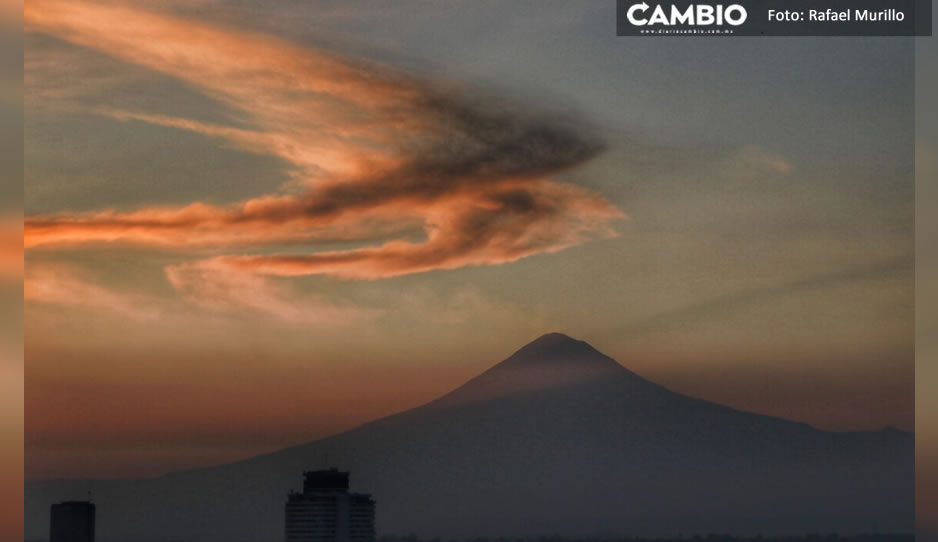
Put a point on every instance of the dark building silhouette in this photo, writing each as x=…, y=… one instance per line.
x=72, y=521
x=326, y=512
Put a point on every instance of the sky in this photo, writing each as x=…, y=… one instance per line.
x=11, y=273
x=250, y=227
x=926, y=284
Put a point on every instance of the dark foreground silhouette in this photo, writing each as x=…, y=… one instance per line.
x=558, y=438
x=831, y=537
x=811, y=537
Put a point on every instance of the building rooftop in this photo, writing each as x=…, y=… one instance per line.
x=325, y=480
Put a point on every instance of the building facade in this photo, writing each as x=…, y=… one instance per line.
x=326, y=512
x=72, y=521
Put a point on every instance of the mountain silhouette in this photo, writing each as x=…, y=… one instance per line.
x=553, y=360
x=556, y=439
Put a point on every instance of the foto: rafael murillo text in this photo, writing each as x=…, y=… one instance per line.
x=825, y=15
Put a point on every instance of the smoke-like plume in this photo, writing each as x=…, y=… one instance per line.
x=378, y=151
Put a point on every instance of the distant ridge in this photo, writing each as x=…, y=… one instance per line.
x=557, y=439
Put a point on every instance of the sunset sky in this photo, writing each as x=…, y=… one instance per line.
x=250, y=227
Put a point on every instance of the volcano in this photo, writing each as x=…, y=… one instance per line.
x=558, y=439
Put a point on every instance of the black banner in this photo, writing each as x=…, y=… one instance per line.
x=774, y=18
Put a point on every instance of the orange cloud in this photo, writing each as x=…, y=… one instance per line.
x=378, y=152
x=505, y=226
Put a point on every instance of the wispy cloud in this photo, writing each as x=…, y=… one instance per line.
x=64, y=286
x=207, y=287
x=709, y=310
x=219, y=288
x=377, y=152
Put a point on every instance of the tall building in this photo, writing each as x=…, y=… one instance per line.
x=326, y=512
x=72, y=521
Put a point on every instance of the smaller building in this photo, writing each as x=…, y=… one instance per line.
x=72, y=521
x=327, y=512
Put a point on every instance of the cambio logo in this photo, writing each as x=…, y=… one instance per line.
x=692, y=15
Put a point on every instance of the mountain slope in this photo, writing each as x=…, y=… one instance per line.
x=558, y=438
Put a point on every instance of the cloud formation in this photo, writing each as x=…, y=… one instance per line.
x=63, y=286
x=218, y=288
x=421, y=175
